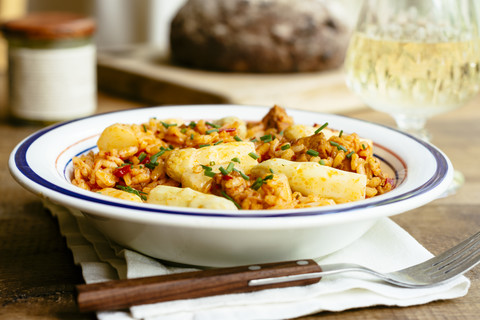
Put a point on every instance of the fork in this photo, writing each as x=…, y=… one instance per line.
x=119, y=294
x=437, y=270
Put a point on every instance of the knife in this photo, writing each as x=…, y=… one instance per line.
x=121, y=294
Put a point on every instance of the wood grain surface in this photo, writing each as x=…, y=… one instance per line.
x=37, y=273
x=142, y=72
x=125, y=293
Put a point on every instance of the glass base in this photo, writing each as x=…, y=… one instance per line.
x=457, y=182
x=414, y=125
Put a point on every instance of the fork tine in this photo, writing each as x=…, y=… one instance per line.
x=451, y=253
x=459, y=256
x=456, y=260
x=466, y=265
x=456, y=270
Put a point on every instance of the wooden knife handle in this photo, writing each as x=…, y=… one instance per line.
x=120, y=294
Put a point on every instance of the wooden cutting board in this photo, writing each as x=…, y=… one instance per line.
x=145, y=74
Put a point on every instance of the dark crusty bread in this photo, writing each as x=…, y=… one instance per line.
x=265, y=36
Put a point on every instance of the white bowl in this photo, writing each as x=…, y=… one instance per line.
x=42, y=164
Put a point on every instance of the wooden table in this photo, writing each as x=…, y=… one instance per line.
x=37, y=274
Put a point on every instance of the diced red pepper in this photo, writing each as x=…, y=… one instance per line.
x=227, y=129
x=391, y=181
x=121, y=171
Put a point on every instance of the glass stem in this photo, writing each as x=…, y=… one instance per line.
x=414, y=125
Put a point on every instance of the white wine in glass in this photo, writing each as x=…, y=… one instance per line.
x=415, y=59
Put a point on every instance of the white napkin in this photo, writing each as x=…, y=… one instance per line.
x=385, y=247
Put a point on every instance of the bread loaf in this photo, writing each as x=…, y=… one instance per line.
x=260, y=36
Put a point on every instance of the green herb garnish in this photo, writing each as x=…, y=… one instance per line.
x=209, y=173
x=257, y=184
x=244, y=176
x=321, y=128
x=211, y=131
x=253, y=155
x=339, y=146
x=129, y=189
x=231, y=199
x=266, y=138
x=213, y=125
x=142, y=156
x=168, y=125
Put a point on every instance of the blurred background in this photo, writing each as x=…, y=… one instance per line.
x=123, y=22
x=119, y=22
x=143, y=76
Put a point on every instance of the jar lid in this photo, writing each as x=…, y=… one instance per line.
x=49, y=26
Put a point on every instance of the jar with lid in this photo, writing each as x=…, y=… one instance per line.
x=51, y=67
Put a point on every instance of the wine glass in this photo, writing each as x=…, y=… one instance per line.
x=414, y=59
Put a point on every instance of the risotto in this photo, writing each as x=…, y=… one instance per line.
x=232, y=164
